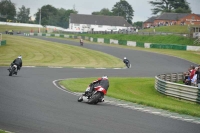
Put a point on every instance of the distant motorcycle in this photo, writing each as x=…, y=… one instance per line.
x=94, y=97
x=128, y=64
x=81, y=43
x=12, y=70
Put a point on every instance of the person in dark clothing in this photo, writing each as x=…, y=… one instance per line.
x=198, y=75
x=102, y=82
x=18, y=62
x=125, y=60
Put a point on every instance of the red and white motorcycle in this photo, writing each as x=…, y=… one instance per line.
x=96, y=96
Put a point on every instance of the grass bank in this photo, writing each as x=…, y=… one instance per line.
x=169, y=29
x=3, y=28
x=38, y=52
x=163, y=39
x=1, y=131
x=138, y=90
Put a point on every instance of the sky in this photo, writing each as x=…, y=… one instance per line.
x=141, y=7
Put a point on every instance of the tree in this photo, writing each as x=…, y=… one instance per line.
x=53, y=16
x=178, y=6
x=123, y=8
x=64, y=17
x=48, y=15
x=138, y=24
x=8, y=9
x=104, y=11
x=23, y=14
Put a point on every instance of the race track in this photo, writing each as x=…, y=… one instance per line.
x=30, y=103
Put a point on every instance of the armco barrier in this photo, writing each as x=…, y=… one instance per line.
x=140, y=44
x=122, y=42
x=130, y=43
x=164, y=84
x=168, y=46
x=107, y=41
x=94, y=39
x=2, y=42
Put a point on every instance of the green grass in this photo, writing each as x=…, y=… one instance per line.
x=138, y=90
x=3, y=28
x=1, y=131
x=169, y=29
x=38, y=52
x=163, y=39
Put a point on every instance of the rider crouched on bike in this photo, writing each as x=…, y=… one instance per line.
x=18, y=62
x=126, y=61
x=100, y=82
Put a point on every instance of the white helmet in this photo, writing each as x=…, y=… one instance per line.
x=104, y=77
x=124, y=57
x=20, y=57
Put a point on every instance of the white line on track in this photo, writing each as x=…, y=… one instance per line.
x=100, y=68
x=54, y=67
x=29, y=66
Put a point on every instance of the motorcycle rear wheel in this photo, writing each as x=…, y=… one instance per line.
x=95, y=98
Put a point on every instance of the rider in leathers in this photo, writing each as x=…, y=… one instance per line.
x=103, y=82
x=126, y=61
x=18, y=62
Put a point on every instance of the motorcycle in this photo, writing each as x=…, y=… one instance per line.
x=96, y=96
x=128, y=64
x=81, y=43
x=12, y=70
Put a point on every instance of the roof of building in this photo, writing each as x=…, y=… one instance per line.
x=99, y=20
x=172, y=16
x=150, y=20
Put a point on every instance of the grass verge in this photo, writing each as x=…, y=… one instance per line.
x=38, y=52
x=3, y=28
x=169, y=29
x=1, y=131
x=138, y=90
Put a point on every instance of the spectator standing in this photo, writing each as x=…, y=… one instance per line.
x=194, y=79
x=192, y=72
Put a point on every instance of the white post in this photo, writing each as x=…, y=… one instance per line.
x=0, y=36
x=40, y=20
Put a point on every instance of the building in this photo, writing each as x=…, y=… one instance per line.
x=150, y=22
x=84, y=23
x=173, y=19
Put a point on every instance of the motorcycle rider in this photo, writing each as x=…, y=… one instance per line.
x=126, y=61
x=18, y=62
x=81, y=41
x=102, y=82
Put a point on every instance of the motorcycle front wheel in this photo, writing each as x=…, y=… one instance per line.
x=12, y=71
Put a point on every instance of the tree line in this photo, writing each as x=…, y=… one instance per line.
x=60, y=16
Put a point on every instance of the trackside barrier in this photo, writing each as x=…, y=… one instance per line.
x=2, y=42
x=125, y=42
x=164, y=84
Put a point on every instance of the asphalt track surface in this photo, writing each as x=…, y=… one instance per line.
x=30, y=103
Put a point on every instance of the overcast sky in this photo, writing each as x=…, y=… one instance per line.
x=141, y=7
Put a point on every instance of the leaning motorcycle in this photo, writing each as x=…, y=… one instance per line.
x=12, y=70
x=81, y=43
x=96, y=96
x=128, y=64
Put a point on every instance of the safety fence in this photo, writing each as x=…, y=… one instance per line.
x=2, y=42
x=122, y=42
x=134, y=33
x=165, y=84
